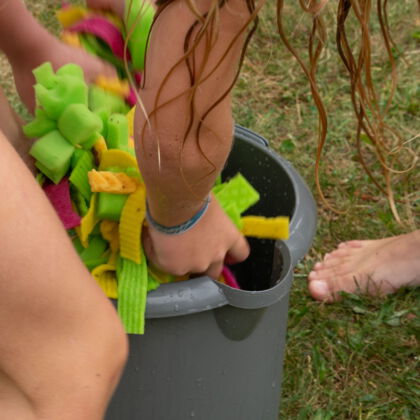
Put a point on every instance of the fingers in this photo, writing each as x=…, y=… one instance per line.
x=107, y=70
x=98, y=68
x=214, y=270
x=203, y=251
x=239, y=250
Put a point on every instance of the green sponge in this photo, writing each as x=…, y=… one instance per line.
x=132, y=294
x=44, y=75
x=53, y=151
x=117, y=132
x=102, y=99
x=77, y=123
x=93, y=256
x=78, y=153
x=79, y=175
x=110, y=206
x=138, y=23
x=103, y=114
x=71, y=69
x=39, y=126
x=68, y=90
x=233, y=213
x=55, y=175
x=91, y=140
x=239, y=191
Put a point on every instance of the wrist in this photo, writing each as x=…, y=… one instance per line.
x=181, y=227
x=172, y=212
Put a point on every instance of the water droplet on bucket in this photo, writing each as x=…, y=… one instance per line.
x=192, y=414
x=273, y=384
x=176, y=308
x=181, y=292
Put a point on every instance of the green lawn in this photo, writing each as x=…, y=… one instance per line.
x=357, y=359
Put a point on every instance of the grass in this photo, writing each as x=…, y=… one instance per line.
x=357, y=359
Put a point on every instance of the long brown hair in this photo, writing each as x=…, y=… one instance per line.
x=385, y=142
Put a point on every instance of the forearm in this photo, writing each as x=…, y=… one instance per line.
x=115, y=6
x=63, y=345
x=20, y=32
x=179, y=168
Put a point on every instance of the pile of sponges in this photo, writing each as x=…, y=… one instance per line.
x=85, y=154
x=87, y=166
x=122, y=44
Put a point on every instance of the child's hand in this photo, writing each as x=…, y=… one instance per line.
x=114, y=6
x=202, y=249
x=58, y=53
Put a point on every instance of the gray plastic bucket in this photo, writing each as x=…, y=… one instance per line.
x=211, y=352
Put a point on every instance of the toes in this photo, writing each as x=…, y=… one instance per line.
x=312, y=276
x=343, y=245
x=320, y=290
x=355, y=243
x=335, y=261
x=318, y=266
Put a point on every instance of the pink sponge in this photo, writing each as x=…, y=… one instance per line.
x=104, y=30
x=230, y=278
x=59, y=196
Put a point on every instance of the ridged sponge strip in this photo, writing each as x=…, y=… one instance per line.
x=132, y=294
x=131, y=222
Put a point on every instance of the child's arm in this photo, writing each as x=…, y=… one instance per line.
x=114, y=6
x=175, y=196
x=62, y=344
x=27, y=44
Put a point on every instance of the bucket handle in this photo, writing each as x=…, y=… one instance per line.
x=204, y=293
x=176, y=299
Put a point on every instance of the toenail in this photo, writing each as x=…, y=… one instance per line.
x=320, y=286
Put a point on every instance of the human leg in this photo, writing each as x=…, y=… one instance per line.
x=62, y=347
x=371, y=266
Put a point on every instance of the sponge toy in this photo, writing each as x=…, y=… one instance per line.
x=101, y=194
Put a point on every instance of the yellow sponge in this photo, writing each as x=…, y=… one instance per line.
x=132, y=217
x=111, y=182
x=70, y=38
x=114, y=85
x=100, y=146
x=109, y=231
x=89, y=221
x=117, y=158
x=130, y=118
x=104, y=274
x=69, y=15
x=265, y=227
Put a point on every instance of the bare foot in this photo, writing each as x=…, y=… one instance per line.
x=375, y=267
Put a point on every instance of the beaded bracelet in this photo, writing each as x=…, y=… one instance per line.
x=181, y=228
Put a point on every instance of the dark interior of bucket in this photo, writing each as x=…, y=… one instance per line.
x=267, y=175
